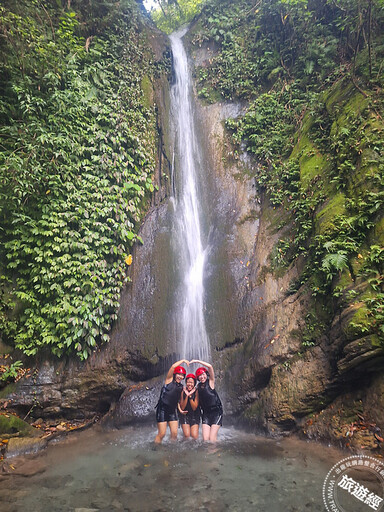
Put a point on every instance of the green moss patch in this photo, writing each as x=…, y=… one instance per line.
x=146, y=86
x=325, y=218
x=338, y=95
x=379, y=231
x=360, y=323
x=312, y=163
x=10, y=424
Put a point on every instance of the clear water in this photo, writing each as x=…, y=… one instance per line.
x=189, y=249
x=124, y=470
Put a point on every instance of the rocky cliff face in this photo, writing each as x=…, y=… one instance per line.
x=286, y=364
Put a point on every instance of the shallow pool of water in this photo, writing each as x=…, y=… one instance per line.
x=124, y=470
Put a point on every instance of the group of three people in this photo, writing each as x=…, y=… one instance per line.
x=195, y=401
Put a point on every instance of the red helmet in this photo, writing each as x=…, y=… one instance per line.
x=179, y=369
x=201, y=370
x=191, y=376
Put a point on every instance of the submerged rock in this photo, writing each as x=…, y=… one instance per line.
x=86, y=509
x=23, y=446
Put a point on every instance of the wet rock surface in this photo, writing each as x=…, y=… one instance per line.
x=23, y=446
x=136, y=404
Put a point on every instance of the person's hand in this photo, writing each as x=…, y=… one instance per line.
x=183, y=412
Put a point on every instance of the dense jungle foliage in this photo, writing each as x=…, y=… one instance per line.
x=77, y=154
x=169, y=15
x=311, y=75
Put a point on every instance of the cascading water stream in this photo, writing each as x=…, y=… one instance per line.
x=190, y=251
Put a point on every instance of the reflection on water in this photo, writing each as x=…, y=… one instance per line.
x=124, y=470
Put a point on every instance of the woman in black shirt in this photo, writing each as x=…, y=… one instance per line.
x=210, y=403
x=189, y=410
x=169, y=398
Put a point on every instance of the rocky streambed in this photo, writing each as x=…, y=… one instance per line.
x=122, y=470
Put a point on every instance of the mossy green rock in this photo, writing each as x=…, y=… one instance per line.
x=10, y=424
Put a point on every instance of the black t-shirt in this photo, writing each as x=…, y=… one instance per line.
x=170, y=394
x=209, y=399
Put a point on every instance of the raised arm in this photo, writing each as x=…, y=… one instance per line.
x=169, y=376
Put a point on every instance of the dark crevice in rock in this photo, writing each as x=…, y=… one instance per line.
x=229, y=344
x=262, y=378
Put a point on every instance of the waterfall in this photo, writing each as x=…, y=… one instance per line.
x=189, y=248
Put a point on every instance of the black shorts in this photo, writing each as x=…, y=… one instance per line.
x=163, y=414
x=191, y=418
x=213, y=417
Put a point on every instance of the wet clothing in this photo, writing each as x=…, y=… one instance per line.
x=193, y=416
x=209, y=399
x=167, y=404
x=165, y=414
x=210, y=403
x=213, y=418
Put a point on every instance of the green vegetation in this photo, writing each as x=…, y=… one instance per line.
x=10, y=372
x=77, y=155
x=169, y=15
x=311, y=73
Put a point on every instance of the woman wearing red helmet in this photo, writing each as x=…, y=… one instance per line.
x=210, y=402
x=189, y=410
x=169, y=398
